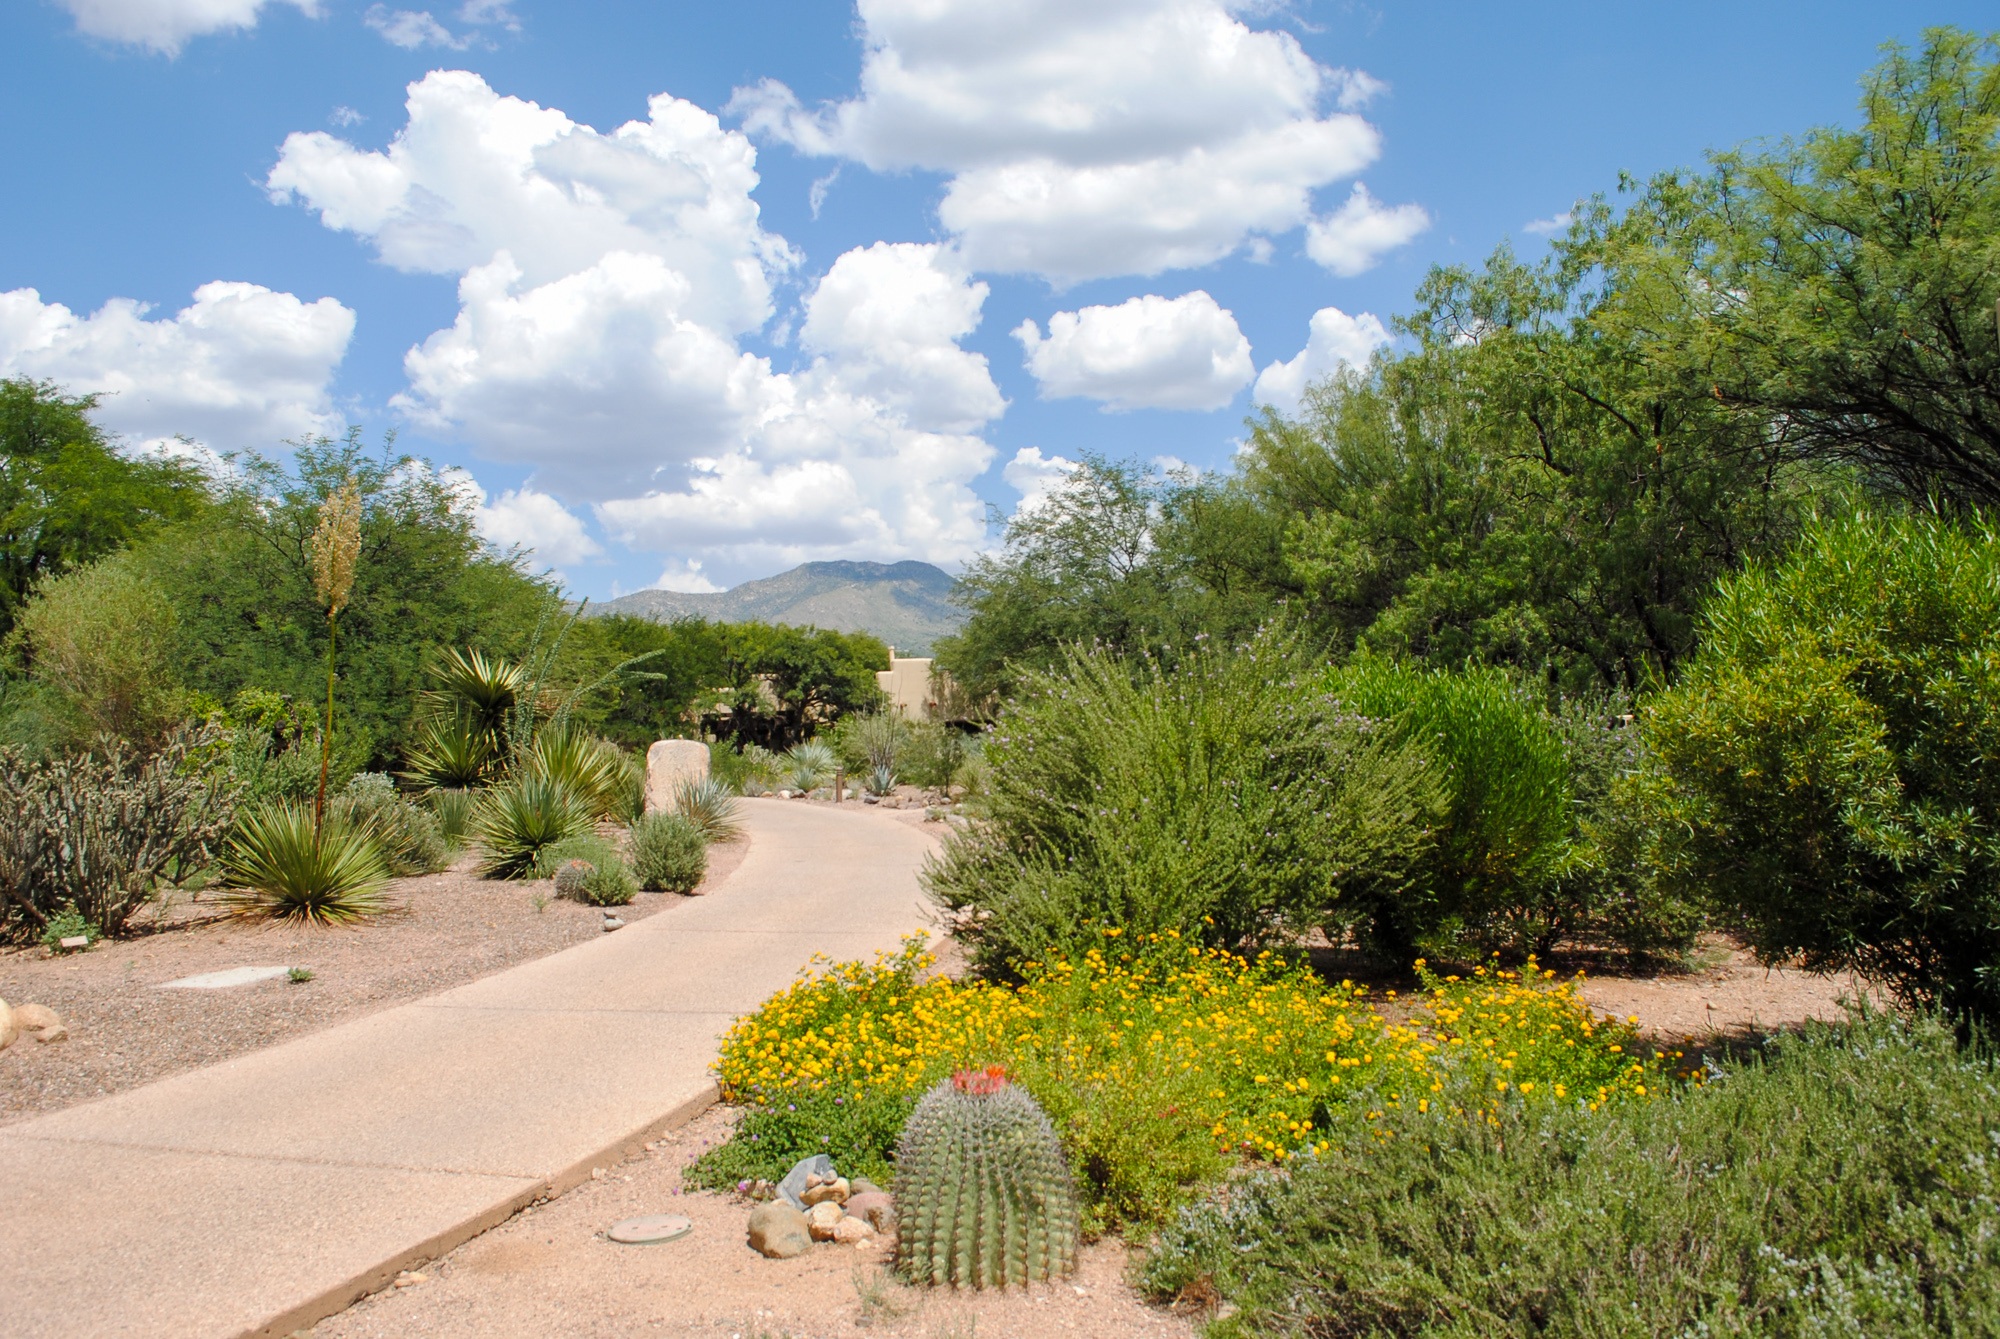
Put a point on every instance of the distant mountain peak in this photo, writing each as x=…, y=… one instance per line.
x=906, y=604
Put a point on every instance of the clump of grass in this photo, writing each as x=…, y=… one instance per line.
x=298, y=976
x=669, y=853
x=1840, y=1182
x=281, y=865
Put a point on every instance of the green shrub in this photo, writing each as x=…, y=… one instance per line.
x=750, y=770
x=100, y=831
x=280, y=865
x=866, y=740
x=709, y=806
x=103, y=640
x=610, y=882
x=69, y=923
x=410, y=835
x=1841, y=1183
x=1226, y=801
x=669, y=853
x=1504, y=835
x=1831, y=759
x=516, y=819
x=859, y=1132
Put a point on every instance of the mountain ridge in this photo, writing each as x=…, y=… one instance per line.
x=907, y=604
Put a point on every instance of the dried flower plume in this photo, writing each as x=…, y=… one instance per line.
x=335, y=546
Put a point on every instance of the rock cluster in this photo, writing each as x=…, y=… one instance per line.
x=20, y=1019
x=829, y=1208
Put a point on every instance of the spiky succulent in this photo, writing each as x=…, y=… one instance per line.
x=984, y=1196
x=573, y=877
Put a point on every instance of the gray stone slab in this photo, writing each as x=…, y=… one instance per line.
x=234, y=976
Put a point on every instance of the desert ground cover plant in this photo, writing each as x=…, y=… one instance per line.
x=1162, y=1063
x=1835, y=1182
x=1227, y=799
x=97, y=832
x=1828, y=763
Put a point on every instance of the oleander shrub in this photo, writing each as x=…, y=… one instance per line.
x=516, y=819
x=1162, y=1064
x=1227, y=800
x=1830, y=760
x=669, y=853
x=609, y=881
x=410, y=836
x=281, y=865
x=1839, y=1182
x=100, y=831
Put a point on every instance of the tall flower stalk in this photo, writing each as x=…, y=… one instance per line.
x=331, y=555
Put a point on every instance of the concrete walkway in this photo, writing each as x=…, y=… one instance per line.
x=263, y=1193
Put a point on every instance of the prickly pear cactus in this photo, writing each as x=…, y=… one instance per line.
x=984, y=1196
x=573, y=878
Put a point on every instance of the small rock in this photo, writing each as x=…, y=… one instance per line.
x=410, y=1279
x=852, y=1231
x=861, y=1185
x=822, y=1218
x=613, y=923
x=56, y=1033
x=9, y=1029
x=779, y=1231
x=832, y=1191
x=792, y=1188
x=874, y=1208
x=35, y=1017
x=597, y=1173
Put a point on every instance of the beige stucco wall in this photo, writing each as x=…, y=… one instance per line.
x=907, y=684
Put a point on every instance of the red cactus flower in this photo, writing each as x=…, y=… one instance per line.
x=980, y=1082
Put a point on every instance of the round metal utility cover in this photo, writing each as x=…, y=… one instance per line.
x=651, y=1229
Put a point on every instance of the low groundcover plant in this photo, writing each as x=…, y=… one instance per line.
x=1161, y=1064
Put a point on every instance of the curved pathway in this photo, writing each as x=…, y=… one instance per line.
x=262, y=1193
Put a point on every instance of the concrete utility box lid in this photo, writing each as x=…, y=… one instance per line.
x=652, y=1228
x=671, y=764
x=223, y=980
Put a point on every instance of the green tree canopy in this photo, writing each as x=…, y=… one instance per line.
x=67, y=496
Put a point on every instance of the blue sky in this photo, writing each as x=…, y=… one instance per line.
x=782, y=315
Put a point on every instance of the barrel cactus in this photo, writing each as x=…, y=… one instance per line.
x=573, y=878
x=983, y=1193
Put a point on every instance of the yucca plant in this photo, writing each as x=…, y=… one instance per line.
x=483, y=688
x=282, y=865
x=812, y=764
x=453, y=751
x=454, y=813
x=709, y=806
x=984, y=1196
x=593, y=770
x=516, y=819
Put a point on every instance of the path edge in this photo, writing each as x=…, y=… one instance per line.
x=373, y=1279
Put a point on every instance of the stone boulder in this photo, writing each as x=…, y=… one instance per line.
x=822, y=1218
x=36, y=1017
x=873, y=1208
x=9, y=1029
x=671, y=764
x=779, y=1231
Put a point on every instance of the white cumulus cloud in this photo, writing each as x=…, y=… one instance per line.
x=410, y=29
x=604, y=282
x=1362, y=231
x=538, y=523
x=239, y=367
x=166, y=25
x=1337, y=340
x=1035, y=475
x=1090, y=139
x=1147, y=353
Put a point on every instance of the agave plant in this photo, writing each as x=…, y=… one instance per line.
x=709, y=806
x=812, y=764
x=881, y=781
x=452, y=750
x=282, y=865
x=519, y=817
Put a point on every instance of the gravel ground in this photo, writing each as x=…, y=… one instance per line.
x=449, y=928
x=550, y=1271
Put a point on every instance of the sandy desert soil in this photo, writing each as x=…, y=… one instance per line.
x=551, y=1272
x=449, y=928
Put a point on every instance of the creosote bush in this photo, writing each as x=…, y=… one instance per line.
x=1226, y=800
x=669, y=853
